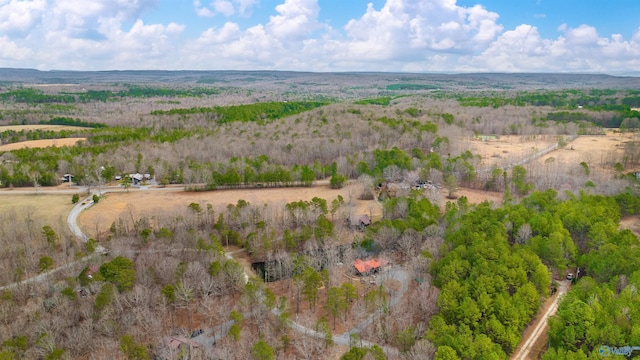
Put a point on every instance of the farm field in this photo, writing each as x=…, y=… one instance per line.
x=504, y=150
x=33, y=144
x=595, y=150
x=152, y=202
x=48, y=209
x=137, y=203
x=501, y=151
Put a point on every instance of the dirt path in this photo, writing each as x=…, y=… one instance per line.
x=530, y=347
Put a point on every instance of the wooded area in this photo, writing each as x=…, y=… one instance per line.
x=277, y=280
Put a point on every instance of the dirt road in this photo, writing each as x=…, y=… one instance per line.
x=539, y=326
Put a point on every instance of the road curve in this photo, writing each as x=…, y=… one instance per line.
x=75, y=229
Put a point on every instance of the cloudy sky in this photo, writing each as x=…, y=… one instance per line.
x=323, y=35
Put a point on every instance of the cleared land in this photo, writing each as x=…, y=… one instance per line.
x=504, y=150
x=594, y=150
x=41, y=143
x=47, y=208
x=147, y=202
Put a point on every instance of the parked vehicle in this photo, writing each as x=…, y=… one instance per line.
x=569, y=276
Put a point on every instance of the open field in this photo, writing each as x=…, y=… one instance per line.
x=594, y=150
x=49, y=209
x=41, y=143
x=504, y=150
x=116, y=205
x=508, y=149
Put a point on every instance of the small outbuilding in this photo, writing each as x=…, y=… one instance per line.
x=360, y=221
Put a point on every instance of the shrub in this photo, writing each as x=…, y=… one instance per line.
x=337, y=181
x=45, y=264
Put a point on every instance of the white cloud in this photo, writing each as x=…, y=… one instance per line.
x=297, y=19
x=413, y=30
x=13, y=53
x=279, y=43
x=581, y=49
x=400, y=35
x=225, y=7
x=582, y=35
x=20, y=16
x=203, y=10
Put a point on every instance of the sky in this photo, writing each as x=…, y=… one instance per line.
x=575, y=36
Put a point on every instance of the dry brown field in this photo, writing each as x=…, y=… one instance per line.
x=595, y=150
x=503, y=150
x=48, y=209
x=41, y=143
x=147, y=202
x=161, y=201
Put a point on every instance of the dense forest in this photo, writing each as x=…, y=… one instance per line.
x=464, y=281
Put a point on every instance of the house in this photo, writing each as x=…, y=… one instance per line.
x=181, y=345
x=67, y=178
x=369, y=266
x=136, y=178
x=360, y=221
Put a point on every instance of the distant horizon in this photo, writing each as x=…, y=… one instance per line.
x=404, y=36
x=623, y=74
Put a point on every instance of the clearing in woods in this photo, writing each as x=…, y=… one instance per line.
x=40, y=143
x=161, y=201
x=48, y=209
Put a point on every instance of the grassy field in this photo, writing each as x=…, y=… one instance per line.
x=41, y=143
x=47, y=209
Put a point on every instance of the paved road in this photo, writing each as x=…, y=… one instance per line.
x=75, y=229
x=541, y=327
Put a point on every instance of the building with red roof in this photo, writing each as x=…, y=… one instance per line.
x=369, y=266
